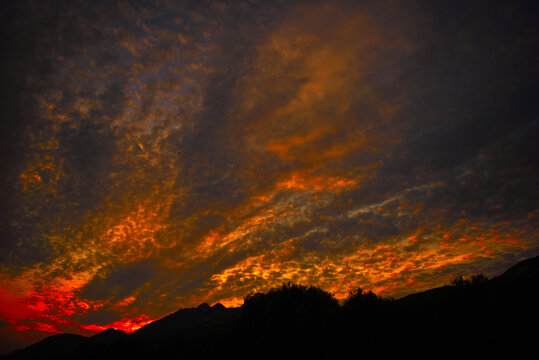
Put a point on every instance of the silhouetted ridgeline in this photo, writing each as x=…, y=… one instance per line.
x=470, y=317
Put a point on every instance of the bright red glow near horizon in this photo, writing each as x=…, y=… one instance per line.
x=161, y=156
x=127, y=325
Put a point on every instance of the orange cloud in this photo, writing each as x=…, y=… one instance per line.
x=127, y=325
x=297, y=182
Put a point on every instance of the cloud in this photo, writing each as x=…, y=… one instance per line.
x=121, y=282
x=101, y=317
x=159, y=156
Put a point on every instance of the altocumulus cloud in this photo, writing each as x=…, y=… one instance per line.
x=162, y=154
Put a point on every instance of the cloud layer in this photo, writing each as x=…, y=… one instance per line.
x=160, y=155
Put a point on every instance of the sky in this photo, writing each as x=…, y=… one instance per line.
x=160, y=154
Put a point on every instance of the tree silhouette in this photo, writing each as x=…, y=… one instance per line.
x=294, y=318
x=474, y=280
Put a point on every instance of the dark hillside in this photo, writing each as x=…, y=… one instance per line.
x=202, y=316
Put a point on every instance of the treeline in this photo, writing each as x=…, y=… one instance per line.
x=474, y=316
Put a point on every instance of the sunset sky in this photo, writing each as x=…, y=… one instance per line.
x=160, y=154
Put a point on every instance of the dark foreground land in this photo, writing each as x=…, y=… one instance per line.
x=481, y=318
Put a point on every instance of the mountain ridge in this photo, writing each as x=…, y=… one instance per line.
x=268, y=321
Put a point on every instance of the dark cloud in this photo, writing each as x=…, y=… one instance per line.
x=101, y=317
x=120, y=282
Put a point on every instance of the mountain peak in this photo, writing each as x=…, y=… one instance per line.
x=110, y=331
x=189, y=318
x=218, y=306
x=525, y=270
x=109, y=335
x=203, y=306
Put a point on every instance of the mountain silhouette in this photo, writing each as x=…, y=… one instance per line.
x=190, y=318
x=60, y=345
x=526, y=270
x=473, y=317
x=108, y=336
